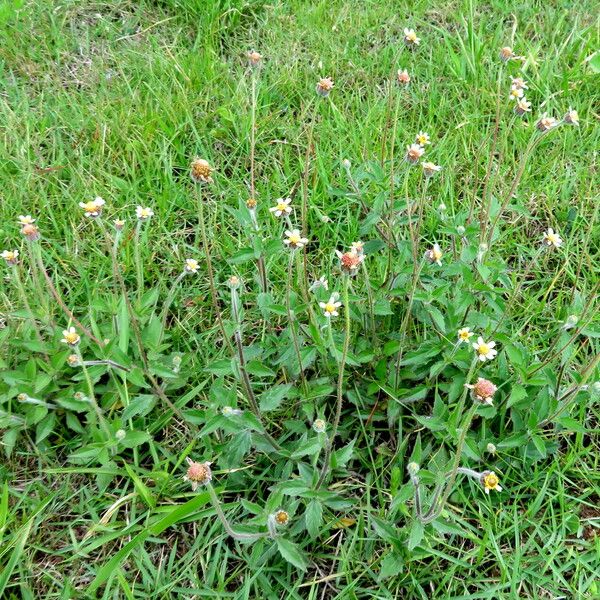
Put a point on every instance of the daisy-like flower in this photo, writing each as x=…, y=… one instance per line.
x=551, y=238
x=435, y=254
x=430, y=169
x=254, y=58
x=197, y=473
x=518, y=82
x=93, y=208
x=324, y=86
x=319, y=283
x=485, y=350
x=491, y=448
x=515, y=93
x=119, y=224
x=11, y=257
x=191, y=265
x=410, y=38
x=464, y=334
x=144, y=214
x=25, y=220
x=350, y=261
x=571, y=117
x=31, y=232
x=319, y=425
x=506, y=54
x=330, y=308
x=281, y=517
x=489, y=480
x=201, y=171
x=403, y=77
x=251, y=204
x=546, y=123
x=422, y=139
x=71, y=337
x=414, y=153
x=483, y=390
x=282, y=207
x=358, y=247
x=522, y=106
x=294, y=239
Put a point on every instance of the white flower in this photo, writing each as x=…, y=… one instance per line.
x=485, y=350
x=25, y=219
x=71, y=337
x=144, y=214
x=430, y=169
x=546, y=123
x=191, y=265
x=410, y=37
x=435, y=255
x=320, y=283
x=330, y=308
x=414, y=153
x=552, y=239
x=93, y=208
x=422, y=139
x=358, y=248
x=282, y=207
x=294, y=239
x=464, y=334
x=515, y=93
x=518, y=82
x=522, y=106
x=10, y=256
x=571, y=117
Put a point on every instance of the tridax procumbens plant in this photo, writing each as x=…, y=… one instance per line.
x=403, y=331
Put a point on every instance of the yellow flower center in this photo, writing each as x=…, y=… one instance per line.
x=330, y=308
x=281, y=206
x=483, y=349
x=491, y=481
x=437, y=254
x=422, y=140
x=552, y=238
x=294, y=238
x=464, y=335
x=72, y=337
x=90, y=207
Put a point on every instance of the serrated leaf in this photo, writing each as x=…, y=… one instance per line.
x=292, y=553
x=313, y=517
x=272, y=398
x=415, y=536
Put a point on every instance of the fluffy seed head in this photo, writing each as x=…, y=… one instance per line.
x=403, y=77
x=201, y=171
x=324, y=86
x=483, y=390
x=281, y=517
x=31, y=232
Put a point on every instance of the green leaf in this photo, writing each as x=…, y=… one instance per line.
x=313, y=517
x=139, y=405
x=416, y=534
x=242, y=256
x=517, y=394
x=309, y=448
x=135, y=438
x=292, y=553
x=272, y=398
x=256, y=368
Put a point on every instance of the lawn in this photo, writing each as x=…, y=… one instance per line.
x=386, y=387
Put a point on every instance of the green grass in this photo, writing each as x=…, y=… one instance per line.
x=114, y=100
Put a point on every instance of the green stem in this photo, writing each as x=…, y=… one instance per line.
x=340, y=384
